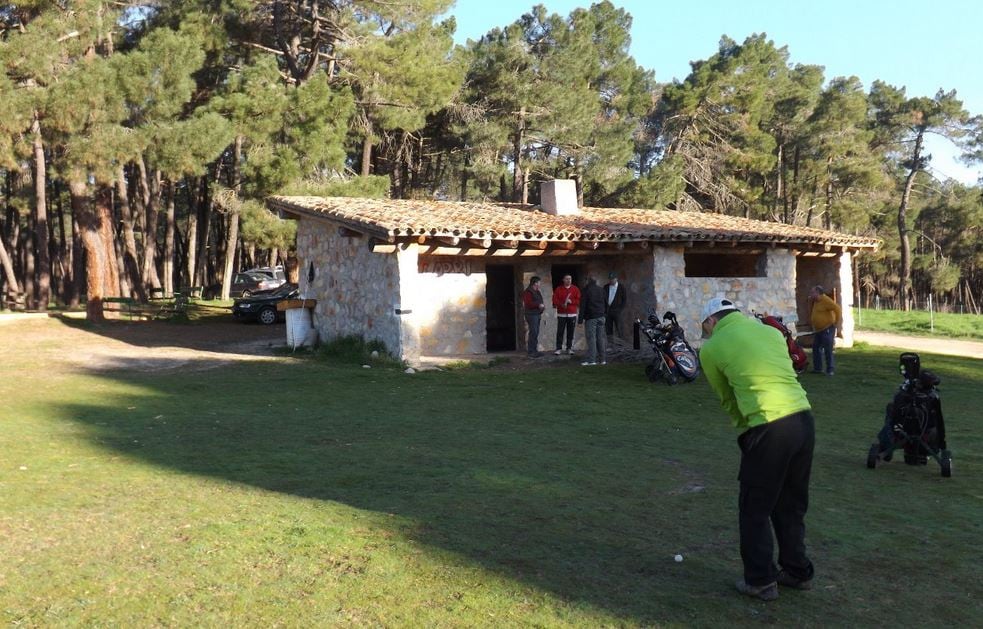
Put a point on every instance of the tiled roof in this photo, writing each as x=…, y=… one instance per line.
x=395, y=218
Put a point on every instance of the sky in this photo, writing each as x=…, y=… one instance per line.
x=922, y=46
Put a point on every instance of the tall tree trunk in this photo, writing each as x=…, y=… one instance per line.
x=232, y=234
x=29, y=277
x=249, y=260
x=904, y=282
x=74, y=290
x=125, y=289
x=169, y=240
x=63, y=252
x=150, y=191
x=43, y=258
x=13, y=287
x=204, y=225
x=517, y=174
x=191, y=240
x=367, y=152
x=779, y=185
x=95, y=227
x=130, y=258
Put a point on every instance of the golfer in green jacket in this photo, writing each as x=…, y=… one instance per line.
x=748, y=366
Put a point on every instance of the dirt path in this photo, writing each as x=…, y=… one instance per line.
x=948, y=347
x=52, y=344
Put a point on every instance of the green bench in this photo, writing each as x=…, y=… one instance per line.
x=121, y=305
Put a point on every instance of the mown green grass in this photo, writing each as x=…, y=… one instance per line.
x=304, y=493
x=921, y=323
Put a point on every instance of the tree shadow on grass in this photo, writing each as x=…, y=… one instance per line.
x=213, y=335
x=560, y=493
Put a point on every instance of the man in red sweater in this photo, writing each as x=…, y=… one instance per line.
x=566, y=300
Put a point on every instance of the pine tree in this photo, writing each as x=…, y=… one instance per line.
x=901, y=123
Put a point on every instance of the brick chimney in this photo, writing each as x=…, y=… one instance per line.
x=559, y=197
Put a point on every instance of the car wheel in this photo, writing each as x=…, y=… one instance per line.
x=267, y=316
x=246, y=293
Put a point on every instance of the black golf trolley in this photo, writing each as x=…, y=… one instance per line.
x=913, y=420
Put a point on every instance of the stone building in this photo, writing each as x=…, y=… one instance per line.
x=439, y=278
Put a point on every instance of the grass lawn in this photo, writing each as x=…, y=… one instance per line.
x=920, y=323
x=311, y=494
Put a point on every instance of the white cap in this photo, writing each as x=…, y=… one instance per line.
x=715, y=305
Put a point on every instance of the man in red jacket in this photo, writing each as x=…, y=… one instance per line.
x=566, y=300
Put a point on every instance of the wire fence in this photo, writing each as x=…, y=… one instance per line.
x=926, y=305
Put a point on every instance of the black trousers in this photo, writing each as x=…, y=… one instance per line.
x=776, y=461
x=612, y=324
x=532, y=324
x=565, y=325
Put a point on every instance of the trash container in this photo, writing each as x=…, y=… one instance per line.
x=300, y=329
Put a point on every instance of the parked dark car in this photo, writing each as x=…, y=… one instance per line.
x=262, y=306
x=273, y=272
x=250, y=281
x=253, y=281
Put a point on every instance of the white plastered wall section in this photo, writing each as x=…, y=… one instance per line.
x=846, y=293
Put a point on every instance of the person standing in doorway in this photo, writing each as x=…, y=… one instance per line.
x=532, y=308
x=592, y=316
x=566, y=300
x=826, y=317
x=614, y=303
x=747, y=366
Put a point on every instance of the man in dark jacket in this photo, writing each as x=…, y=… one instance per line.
x=592, y=316
x=614, y=303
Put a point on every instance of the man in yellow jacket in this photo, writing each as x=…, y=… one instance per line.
x=748, y=367
x=826, y=317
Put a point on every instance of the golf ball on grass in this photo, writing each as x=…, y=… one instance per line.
x=678, y=558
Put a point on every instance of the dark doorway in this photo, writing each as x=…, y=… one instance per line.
x=573, y=270
x=500, y=295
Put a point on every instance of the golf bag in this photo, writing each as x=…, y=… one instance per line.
x=913, y=420
x=795, y=351
x=674, y=359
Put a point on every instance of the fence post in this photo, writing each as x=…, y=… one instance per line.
x=931, y=315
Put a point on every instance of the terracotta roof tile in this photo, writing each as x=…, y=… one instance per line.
x=402, y=217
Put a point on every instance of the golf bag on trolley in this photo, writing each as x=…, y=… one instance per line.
x=913, y=420
x=674, y=358
x=795, y=351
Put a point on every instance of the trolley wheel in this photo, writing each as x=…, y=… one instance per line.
x=670, y=377
x=946, y=462
x=872, y=456
x=651, y=373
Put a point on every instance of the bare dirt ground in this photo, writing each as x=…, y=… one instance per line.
x=948, y=347
x=57, y=342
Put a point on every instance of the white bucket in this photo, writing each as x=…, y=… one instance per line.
x=299, y=327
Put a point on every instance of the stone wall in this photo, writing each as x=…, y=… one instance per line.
x=418, y=308
x=635, y=271
x=835, y=275
x=356, y=290
x=773, y=294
